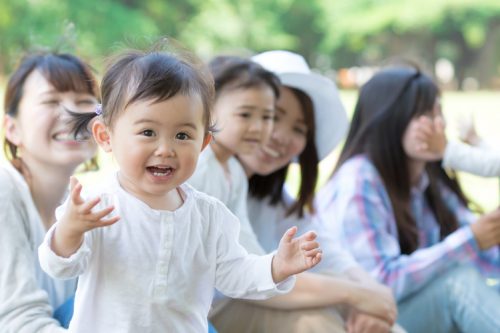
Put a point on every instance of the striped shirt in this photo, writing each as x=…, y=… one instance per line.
x=356, y=207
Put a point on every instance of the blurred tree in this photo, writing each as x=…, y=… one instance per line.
x=330, y=33
x=35, y=24
x=367, y=31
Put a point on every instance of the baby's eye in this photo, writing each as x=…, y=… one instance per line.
x=268, y=117
x=182, y=136
x=148, y=132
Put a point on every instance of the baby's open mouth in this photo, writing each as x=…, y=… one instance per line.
x=160, y=171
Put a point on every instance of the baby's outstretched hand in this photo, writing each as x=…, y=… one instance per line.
x=79, y=216
x=78, y=219
x=295, y=255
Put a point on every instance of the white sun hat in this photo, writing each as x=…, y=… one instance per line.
x=330, y=118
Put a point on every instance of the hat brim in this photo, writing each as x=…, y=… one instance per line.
x=330, y=117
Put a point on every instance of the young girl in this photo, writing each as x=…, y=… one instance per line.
x=310, y=120
x=155, y=269
x=42, y=155
x=245, y=94
x=405, y=219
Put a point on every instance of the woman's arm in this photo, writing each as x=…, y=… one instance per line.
x=24, y=306
x=314, y=290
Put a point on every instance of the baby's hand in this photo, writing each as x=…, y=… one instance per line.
x=295, y=255
x=430, y=138
x=77, y=220
x=79, y=217
x=467, y=130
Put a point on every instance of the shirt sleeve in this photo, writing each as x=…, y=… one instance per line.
x=247, y=237
x=214, y=184
x=24, y=307
x=361, y=208
x=239, y=274
x=480, y=161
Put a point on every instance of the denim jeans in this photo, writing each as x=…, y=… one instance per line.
x=458, y=301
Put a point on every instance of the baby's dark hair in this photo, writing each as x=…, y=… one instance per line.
x=232, y=72
x=150, y=75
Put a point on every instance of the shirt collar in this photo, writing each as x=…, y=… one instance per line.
x=422, y=185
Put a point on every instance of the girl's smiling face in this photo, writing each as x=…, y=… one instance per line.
x=244, y=118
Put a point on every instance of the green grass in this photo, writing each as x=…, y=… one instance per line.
x=485, y=106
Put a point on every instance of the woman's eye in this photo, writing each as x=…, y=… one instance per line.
x=148, y=133
x=300, y=130
x=87, y=102
x=245, y=115
x=268, y=117
x=182, y=136
x=51, y=102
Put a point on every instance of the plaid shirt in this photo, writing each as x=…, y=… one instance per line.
x=356, y=206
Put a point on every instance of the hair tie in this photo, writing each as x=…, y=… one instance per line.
x=98, y=109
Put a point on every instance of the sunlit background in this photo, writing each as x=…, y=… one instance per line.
x=456, y=41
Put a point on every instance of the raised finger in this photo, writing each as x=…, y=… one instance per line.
x=75, y=193
x=86, y=208
x=289, y=234
x=313, y=253
x=110, y=221
x=307, y=246
x=101, y=214
x=307, y=237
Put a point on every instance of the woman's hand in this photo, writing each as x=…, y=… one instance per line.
x=358, y=322
x=375, y=300
x=486, y=230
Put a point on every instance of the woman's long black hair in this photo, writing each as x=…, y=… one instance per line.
x=386, y=105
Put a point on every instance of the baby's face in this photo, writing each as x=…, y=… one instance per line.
x=157, y=144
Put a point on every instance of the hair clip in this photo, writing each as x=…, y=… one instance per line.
x=98, y=109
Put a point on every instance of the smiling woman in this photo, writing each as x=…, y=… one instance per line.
x=42, y=155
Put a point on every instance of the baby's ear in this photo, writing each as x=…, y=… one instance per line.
x=101, y=135
x=206, y=140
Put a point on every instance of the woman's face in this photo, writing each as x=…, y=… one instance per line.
x=39, y=130
x=287, y=140
x=410, y=141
